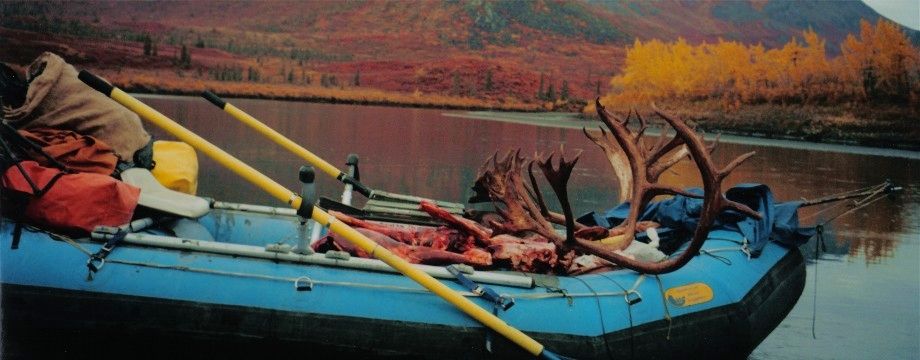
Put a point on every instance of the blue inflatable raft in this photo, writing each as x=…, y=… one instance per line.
x=249, y=290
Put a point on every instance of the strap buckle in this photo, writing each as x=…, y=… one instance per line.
x=632, y=297
x=95, y=263
x=498, y=301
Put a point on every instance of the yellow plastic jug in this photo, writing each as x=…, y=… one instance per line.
x=176, y=166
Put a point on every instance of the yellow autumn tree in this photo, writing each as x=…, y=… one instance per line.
x=879, y=64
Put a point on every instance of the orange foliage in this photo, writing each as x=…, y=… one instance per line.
x=879, y=65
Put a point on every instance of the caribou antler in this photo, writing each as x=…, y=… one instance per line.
x=644, y=173
x=558, y=177
x=636, y=166
x=501, y=180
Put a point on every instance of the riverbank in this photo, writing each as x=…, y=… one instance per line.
x=578, y=121
x=170, y=84
x=889, y=126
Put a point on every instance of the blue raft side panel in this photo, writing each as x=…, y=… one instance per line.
x=43, y=262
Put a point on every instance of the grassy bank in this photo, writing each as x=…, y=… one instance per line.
x=888, y=126
x=170, y=83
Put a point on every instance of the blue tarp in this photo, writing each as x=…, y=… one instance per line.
x=780, y=222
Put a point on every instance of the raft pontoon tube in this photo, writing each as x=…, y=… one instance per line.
x=182, y=293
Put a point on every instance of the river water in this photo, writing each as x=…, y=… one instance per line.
x=868, y=281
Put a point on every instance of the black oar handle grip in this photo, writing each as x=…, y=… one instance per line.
x=356, y=185
x=214, y=99
x=96, y=82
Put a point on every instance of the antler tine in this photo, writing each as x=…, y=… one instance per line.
x=519, y=159
x=607, y=116
x=642, y=127
x=734, y=164
x=618, y=161
x=662, y=147
x=536, y=187
x=588, y=135
x=660, y=189
x=715, y=142
x=602, y=141
x=496, y=160
x=667, y=162
x=553, y=217
x=485, y=165
x=558, y=178
x=722, y=174
x=628, y=118
x=689, y=138
x=659, y=142
x=484, y=181
x=507, y=162
x=739, y=207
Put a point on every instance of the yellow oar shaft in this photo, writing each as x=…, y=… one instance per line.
x=222, y=157
x=279, y=139
x=430, y=283
x=320, y=216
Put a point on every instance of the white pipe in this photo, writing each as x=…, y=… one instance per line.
x=270, y=210
x=137, y=225
x=314, y=259
x=316, y=232
x=346, y=195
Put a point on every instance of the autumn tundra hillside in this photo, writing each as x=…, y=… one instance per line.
x=512, y=55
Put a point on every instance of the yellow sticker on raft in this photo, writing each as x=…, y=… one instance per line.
x=689, y=295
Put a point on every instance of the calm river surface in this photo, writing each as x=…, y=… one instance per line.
x=868, y=293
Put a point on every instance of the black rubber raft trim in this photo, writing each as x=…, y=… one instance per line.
x=45, y=321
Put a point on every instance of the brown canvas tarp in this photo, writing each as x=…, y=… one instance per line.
x=58, y=99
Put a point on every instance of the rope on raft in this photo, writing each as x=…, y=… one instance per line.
x=297, y=280
x=870, y=195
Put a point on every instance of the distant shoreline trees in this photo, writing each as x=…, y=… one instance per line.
x=878, y=65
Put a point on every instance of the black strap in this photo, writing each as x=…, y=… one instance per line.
x=498, y=301
x=97, y=260
x=22, y=145
x=17, y=234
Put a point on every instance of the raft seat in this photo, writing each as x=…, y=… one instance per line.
x=156, y=196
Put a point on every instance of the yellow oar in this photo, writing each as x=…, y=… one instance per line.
x=318, y=215
x=318, y=162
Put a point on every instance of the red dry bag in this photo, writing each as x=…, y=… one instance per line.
x=76, y=202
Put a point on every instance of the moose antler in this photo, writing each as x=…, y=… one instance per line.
x=646, y=166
